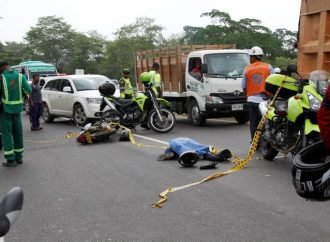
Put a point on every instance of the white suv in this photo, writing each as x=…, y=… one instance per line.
x=73, y=96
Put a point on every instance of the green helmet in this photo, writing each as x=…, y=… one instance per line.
x=145, y=77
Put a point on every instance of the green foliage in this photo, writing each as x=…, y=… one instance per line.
x=51, y=40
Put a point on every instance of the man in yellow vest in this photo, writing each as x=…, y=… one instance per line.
x=156, y=79
x=12, y=86
x=125, y=85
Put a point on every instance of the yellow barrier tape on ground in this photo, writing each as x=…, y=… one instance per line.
x=69, y=135
x=239, y=163
x=133, y=141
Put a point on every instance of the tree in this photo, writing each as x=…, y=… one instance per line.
x=51, y=40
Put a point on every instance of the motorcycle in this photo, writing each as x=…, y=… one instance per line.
x=144, y=108
x=291, y=123
x=10, y=208
x=99, y=131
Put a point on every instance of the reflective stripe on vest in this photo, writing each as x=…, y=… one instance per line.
x=6, y=93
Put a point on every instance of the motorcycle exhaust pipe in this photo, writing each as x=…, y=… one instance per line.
x=263, y=107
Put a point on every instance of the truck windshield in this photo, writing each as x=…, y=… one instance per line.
x=229, y=65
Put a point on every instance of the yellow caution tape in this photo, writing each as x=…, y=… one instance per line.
x=69, y=135
x=239, y=163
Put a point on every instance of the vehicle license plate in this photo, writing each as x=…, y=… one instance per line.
x=235, y=107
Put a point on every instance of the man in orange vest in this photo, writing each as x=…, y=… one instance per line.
x=253, y=84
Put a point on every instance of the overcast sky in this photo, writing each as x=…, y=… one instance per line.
x=106, y=16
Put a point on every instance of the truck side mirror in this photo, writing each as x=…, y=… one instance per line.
x=204, y=68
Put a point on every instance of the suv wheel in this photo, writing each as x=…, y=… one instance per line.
x=79, y=115
x=47, y=117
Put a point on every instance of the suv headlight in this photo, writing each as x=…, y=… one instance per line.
x=313, y=102
x=94, y=100
x=213, y=100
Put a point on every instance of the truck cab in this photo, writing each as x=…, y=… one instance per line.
x=202, y=81
x=216, y=92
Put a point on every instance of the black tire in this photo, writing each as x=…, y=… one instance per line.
x=266, y=150
x=194, y=114
x=112, y=116
x=46, y=116
x=166, y=125
x=242, y=118
x=26, y=105
x=79, y=115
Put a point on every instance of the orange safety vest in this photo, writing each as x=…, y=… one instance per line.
x=256, y=74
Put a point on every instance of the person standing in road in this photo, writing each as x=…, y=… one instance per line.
x=125, y=85
x=156, y=79
x=323, y=118
x=35, y=101
x=253, y=84
x=12, y=86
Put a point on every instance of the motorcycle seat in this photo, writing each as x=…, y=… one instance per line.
x=122, y=102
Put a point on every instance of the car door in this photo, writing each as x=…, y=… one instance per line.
x=51, y=95
x=67, y=98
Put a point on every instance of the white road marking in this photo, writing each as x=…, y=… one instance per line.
x=151, y=139
x=222, y=120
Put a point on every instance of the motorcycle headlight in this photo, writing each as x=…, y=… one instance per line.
x=313, y=102
x=213, y=100
x=94, y=100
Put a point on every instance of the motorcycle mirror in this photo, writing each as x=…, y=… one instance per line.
x=292, y=68
x=10, y=208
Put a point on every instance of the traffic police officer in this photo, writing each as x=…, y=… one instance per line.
x=125, y=85
x=156, y=79
x=13, y=86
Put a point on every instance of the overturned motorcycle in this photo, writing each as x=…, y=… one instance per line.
x=101, y=131
x=144, y=108
x=291, y=123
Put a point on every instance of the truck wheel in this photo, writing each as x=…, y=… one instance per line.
x=242, y=118
x=194, y=114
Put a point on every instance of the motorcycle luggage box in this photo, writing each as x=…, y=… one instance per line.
x=289, y=89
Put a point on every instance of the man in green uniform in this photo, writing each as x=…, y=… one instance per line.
x=156, y=79
x=13, y=86
x=125, y=85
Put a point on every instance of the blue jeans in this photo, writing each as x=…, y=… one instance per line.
x=255, y=117
x=35, y=113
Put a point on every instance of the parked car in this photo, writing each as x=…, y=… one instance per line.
x=72, y=96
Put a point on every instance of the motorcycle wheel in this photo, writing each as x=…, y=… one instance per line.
x=266, y=150
x=112, y=116
x=167, y=123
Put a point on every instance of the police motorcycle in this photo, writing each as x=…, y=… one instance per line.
x=144, y=108
x=10, y=208
x=291, y=123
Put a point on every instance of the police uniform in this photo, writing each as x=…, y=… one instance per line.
x=156, y=83
x=126, y=89
x=13, y=86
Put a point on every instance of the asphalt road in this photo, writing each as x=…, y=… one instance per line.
x=104, y=192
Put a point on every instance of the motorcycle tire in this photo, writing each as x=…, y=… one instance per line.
x=266, y=150
x=164, y=126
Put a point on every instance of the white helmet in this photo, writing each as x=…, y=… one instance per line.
x=256, y=50
x=277, y=70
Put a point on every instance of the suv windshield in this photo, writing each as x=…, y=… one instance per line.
x=226, y=64
x=85, y=83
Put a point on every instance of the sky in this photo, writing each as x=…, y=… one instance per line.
x=106, y=16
